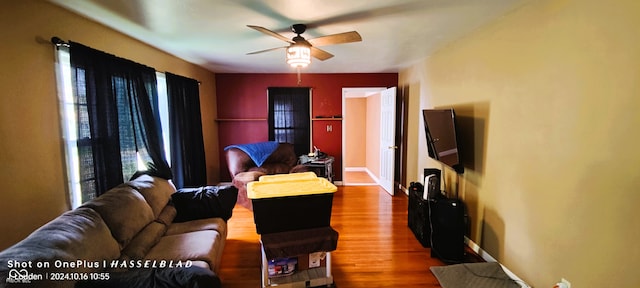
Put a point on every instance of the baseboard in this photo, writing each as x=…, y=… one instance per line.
x=476, y=248
x=404, y=189
x=355, y=169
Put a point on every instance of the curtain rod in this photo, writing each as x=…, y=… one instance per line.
x=59, y=42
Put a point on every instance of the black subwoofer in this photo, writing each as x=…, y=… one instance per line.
x=448, y=227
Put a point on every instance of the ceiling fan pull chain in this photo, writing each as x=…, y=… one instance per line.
x=299, y=80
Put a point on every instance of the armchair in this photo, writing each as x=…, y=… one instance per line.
x=244, y=169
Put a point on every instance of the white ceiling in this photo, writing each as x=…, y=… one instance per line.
x=213, y=33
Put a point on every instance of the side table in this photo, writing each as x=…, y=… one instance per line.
x=323, y=167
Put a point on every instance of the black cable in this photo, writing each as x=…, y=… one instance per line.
x=486, y=276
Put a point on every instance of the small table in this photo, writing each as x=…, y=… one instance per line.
x=323, y=167
x=303, y=245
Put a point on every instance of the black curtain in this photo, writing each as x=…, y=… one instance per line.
x=289, y=117
x=187, y=147
x=117, y=114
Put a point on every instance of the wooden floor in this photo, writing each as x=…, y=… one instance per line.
x=375, y=247
x=357, y=178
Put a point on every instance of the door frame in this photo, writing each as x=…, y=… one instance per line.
x=353, y=92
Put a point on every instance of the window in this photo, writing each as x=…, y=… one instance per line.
x=163, y=103
x=77, y=138
x=69, y=126
x=289, y=117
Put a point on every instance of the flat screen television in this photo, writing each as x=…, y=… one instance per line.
x=442, y=138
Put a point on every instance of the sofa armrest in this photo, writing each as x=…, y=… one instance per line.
x=238, y=161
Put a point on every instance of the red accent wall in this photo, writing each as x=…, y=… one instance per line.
x=242, y=107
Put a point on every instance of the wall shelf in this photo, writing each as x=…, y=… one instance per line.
x=241, y=119
x=326, y=119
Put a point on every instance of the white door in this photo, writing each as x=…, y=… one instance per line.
x=387, y=138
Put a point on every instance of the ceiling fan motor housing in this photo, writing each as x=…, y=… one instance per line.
x=298, y=28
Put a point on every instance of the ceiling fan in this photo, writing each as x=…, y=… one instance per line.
x=302, y=48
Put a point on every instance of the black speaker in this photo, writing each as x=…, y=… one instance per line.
x=447, y=229
x=419, y=215
x=416, y=188
x=431, y=182
x=419, y=221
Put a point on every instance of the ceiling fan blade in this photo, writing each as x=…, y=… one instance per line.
x=265, y=50
x=346, y=37
x=271, y=33
x=320, y=54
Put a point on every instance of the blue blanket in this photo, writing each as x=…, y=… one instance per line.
x=259, y=152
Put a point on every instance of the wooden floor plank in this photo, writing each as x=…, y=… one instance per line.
x=376, y=248
x=357, y=178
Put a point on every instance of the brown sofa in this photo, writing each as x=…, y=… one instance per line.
x=128, y=227
x=244, y=170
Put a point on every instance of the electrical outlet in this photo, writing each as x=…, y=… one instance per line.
x=564, y=283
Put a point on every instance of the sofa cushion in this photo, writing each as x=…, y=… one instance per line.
x=125, y=212
x=167, y=215
x=216, y=224
x=143, y=241
x=204, y=202
x=156, y=191
x=203, y=245
x=78, y=234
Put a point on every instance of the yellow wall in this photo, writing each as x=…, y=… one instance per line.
x=373, y=134
x=33, y=184
x=354, y=123
x=553, y=89
x=363, y=122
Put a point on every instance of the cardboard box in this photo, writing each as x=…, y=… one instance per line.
x=282, y=266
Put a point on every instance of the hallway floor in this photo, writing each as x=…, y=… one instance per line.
x=357, y=178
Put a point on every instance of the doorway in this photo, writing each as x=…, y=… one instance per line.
x=360, y=136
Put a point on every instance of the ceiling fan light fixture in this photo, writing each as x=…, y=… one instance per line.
x=298, y=56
